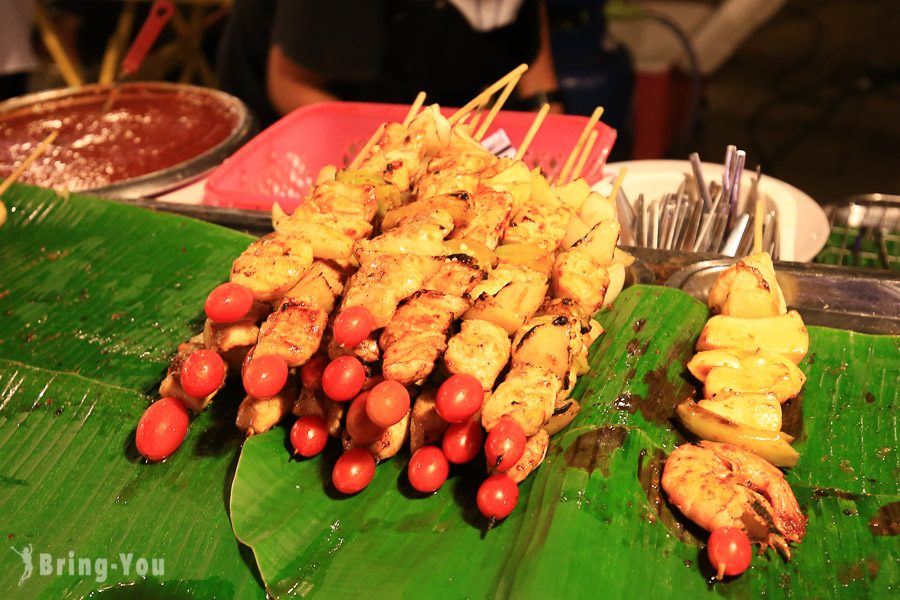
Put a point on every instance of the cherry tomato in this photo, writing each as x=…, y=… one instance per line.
x=202, y=373
x=497, y=496
x=353, y=325
x=505, y=444
x=161, y=429
x=264, y=376
x=311, y=373
x=428, y=469
x=459, y=398
x=309, y=435
x=228, y=303
x=462, y=441
x=353, y=471
x=388, y=403
x=360, y=427
x=729, y=551
x=343, y=378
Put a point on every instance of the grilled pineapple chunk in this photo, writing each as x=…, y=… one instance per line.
x=736, y=370
x=748, y=289
x=785, y=334
x=759, y=410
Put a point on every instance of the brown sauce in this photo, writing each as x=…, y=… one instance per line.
x=146, y=130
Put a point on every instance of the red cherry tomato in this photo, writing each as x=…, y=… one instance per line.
x=353, y=325
x=505, y=444
x=359, y=426
x=497, y=496
x=343, y=378
x=202, y=373
x=388, y=403
x=462, y=441
x=353, y=471
x=428, y=469
x=161, y=429
x=459, y=398
x=309, y=436
x=228, y=303
x=311, y=372
x=729, y=551
x=264, y=376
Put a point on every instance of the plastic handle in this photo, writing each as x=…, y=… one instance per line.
x=160, y=13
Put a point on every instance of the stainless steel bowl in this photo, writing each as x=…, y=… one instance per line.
x=158, y=182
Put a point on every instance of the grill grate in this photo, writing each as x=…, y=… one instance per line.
x=865, y=232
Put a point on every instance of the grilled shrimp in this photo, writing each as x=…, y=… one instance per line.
x=720, y=485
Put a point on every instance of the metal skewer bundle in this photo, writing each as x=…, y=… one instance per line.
x=701, y=217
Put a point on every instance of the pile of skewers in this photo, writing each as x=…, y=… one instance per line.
x=430, y=294
x=697, y=217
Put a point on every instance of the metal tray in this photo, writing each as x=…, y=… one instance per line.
x=866, y=301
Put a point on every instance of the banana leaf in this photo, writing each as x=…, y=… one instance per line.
x=592, y=521
x=94, y=298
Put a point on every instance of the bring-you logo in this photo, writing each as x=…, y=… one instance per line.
x=97, y=568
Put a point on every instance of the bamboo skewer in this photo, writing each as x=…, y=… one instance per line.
x=570, y=161
x=579, y=166
x=501, y=100
x=414, y=108
x=35, y=154
x=532, y=131
x=618, y=183
x=368, y=146
x=487, y=93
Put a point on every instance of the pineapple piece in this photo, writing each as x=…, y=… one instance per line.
x=785, y=334
x=759, y=410
x=748, y=289
x=783, y=379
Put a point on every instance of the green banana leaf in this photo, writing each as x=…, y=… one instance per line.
x=94, y=299
x=591, y=521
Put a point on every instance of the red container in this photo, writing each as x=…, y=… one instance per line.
x=281, y=162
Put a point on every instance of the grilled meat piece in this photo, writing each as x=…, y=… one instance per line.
x=294, y=330
x=488, y=217
x=535, y=451
x=316, y=403
x=541, y=224
x=480, y=349
x=456, y=275
x=397, y=155
x=417, y=334
x=383, y=281
x=389, y=444
x=272, y=265
x=344, y=200
x=528, y=395
x=255, y=415
x=419, y=234
x=425, y=425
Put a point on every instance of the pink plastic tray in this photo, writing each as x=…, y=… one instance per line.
x=281, y=162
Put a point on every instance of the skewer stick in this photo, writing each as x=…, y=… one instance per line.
x=501, y=100
x=532, y=131
x=414, y=108
x=368, y=146
x=41, y=148
x=487, y=93
x=579, y=166
x=758, y=227
x=595, y=116
x=618, y=183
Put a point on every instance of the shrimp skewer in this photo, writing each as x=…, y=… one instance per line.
x=720, y=485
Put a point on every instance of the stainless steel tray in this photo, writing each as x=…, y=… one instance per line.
x=862, y=300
